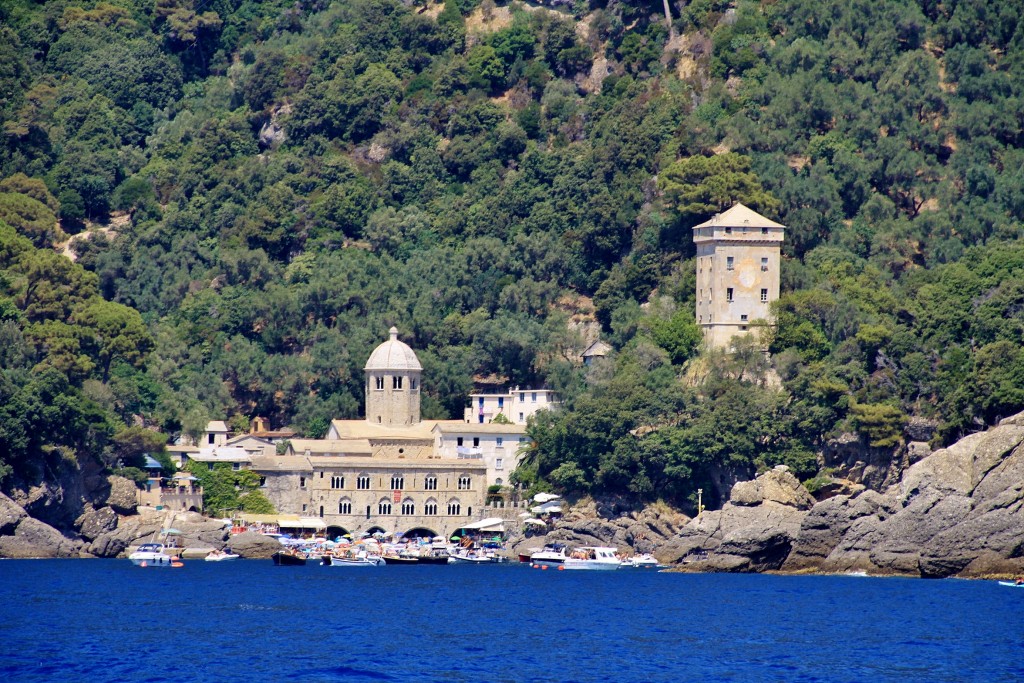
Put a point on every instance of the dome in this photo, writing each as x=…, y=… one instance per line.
x=393, y=355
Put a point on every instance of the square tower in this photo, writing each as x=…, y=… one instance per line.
x=738, y=255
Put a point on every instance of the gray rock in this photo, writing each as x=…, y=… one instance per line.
x=35, y=539
x=123, y=496
x=253, y=546
x=920, y=429
x=777, y=486
x=11, y=515
x=97, y=522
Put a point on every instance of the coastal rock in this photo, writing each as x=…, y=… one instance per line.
x=122, y=497
x=93, y=524
x=777, y=486
x=11, y=515
x=920, y=429
x=35, y=539
x=253, y=546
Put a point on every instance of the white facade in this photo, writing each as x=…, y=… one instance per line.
x=498, y=446
x=517, y=405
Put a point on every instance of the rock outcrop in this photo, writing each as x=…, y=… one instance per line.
x=253, y=546
x=22, y=536
x=956, y=512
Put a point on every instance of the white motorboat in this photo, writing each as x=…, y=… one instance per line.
x=552, y=555
x=360, y=560
x=468, y=556
x=221, y=555
x=152, y=555
x=644, y=561
x=593, y=557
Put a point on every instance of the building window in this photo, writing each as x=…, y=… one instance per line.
x=397, y=481
x=522, y=397
x=379, y=382
x=458, y=441
x=408, y=507
x=728, y=231
x=498, y=464
x=499, y=442
x=501, y=402
x=743, y=317
x=363, y=482
x=728, y=294
x=533, y=397
x=430, y=508
x=430, y=483
x=764, y=296
x=729, y=263
x=304, y=507
x=476, y=442
x=396, y=382
x=454, y=507
x=764, y=231
x=499, y=481
x=321, y=510
x=263, y=482
x=209, y=466
x=413, y=384
x=302, y=482
x=384, y=507
x=210, y=440
x=345, y=507
x=464, y=482
x=337, y=482
x=520, y=417
x=236, y=466
x=764, y=264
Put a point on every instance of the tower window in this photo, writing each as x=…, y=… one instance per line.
x=743, y=317
x=413, y=384
x=764, y=264
x=464, y=483
x=728, y=294
x=430, y=484
x=728, y=231
x=764, y=231
x=397, y=481
x=379, y=382
x=764, y=296
x=396, y=382
x=729, y=263
x=345, y=507
x=363, y=482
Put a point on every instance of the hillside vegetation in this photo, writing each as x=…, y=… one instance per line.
x=256, y=191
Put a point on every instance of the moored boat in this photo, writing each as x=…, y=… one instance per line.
x=152, y=555
x=435, y=556
x=551, y=555
x=644, y=561
x=352, y=561
x=468, y=556
x=593, y=557
x=403, y=558
x=289, y=558
x=220, y=556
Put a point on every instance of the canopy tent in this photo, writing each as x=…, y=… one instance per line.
x=546, y=508
x=535, y=522
x=496, y=524
x=545, y=497
x=301, y=523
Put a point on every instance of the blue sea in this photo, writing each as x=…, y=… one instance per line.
x=247, y=620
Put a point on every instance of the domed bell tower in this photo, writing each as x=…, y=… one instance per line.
x=393, y=384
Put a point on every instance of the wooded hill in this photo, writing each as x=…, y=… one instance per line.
x=266, y=187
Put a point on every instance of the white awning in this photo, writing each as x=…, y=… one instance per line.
x=544, y=497
x=302, y=523
x=546, y=508
x=535, y=522
x=489, y=524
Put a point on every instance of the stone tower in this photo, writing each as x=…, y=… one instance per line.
x=393, y=384
x=738, y=255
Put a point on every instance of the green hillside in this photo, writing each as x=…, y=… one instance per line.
x=261, y=189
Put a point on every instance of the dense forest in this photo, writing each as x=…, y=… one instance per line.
x=253, y=192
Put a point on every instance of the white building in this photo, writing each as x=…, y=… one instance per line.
x=498, y=446
x=517, y=405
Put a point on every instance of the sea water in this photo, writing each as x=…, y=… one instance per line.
x=247, y=620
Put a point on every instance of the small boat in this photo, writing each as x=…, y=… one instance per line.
x=1012, y=584
x=402, y=558
x=644, y=561
x=352, y=561
x=221, y=555
x=527, y=554
x=468, y=556
x=289, y=558
x=592, y=557
x=153, y=555
x=435, y=556
x=551, y=555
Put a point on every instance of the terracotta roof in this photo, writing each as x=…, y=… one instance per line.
x=739, y=216
x=329, y=446
x=361, y=429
